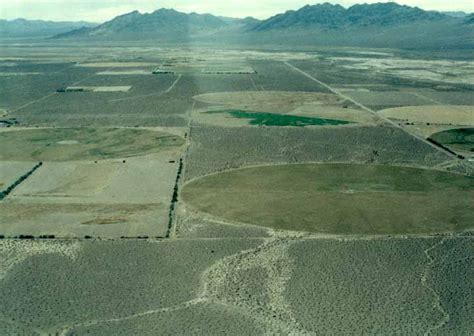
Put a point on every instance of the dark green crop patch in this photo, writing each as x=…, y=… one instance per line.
x=274, y=119
x=457, y=139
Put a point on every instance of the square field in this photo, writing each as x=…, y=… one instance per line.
x=107, y=199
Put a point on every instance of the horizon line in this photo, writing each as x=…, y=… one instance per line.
x=226, y=16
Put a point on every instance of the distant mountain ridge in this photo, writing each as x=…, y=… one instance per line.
x=456, y=14
x=169, y=22
x=469, y=19
x=36, y=28
x=160, y=22
x=387, y=25
x=335, y=16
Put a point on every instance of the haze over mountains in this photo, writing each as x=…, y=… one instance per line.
x=458, y=14
x=378, y=25
x=36, y=28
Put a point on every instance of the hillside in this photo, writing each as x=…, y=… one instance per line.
x=163, y=22
x=469, y=19
x=336, y=17
x=456, y=14
x=36, y=28
x=376, y=25
x=387, y=25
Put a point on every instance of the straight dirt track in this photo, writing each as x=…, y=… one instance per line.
x=392, y=123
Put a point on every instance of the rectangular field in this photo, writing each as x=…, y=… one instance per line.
x=107, y=199
x=219, y=148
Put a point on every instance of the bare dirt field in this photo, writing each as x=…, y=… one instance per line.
x=111, y=198
x=199, y=66
x=116, y=64
x=431, y=70
x=441, y=123
x=434, y=114
x=124, y=72
x=385, y=99
x=83, y=220
x=11, y=172
x=96, y=182
x=98, y=88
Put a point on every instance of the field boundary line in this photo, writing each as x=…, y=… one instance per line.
x=253, y=83
x=173, y=229
x=33, y=102
x=174, y=84
x=365, y=108
x=51, y=94
x=19, y=181
x=150, y=94
x=437, y=102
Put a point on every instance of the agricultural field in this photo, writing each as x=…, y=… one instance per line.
x=277, y=108
x=446, y=125
x=338, y=198
x=216, y=149
x=10, y=172
x=201, y=66
x=459, y=139
x=182, y=189
x=83, y=144
x=107, y=182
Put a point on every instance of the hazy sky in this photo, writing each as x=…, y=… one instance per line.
x=102, y=10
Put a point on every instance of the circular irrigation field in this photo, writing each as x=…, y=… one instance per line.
x=338, y=198
x=279, y=108
x=461, y=139
x=71, y=144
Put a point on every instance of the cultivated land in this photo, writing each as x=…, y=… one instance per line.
x=83, y=144
x=338, y=198
x=458, y=139
x=278, y=108
x=194, y=190
x=97, y=182
x=11, y=172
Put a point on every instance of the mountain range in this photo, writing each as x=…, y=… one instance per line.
x=377, y=25
x=37, y=28
x=458, y=14
x=160, y=23
x=336, y=17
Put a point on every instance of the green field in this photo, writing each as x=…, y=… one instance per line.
x=68, y=144
x=457, y=139
x=273, y=119
x=338, y=198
